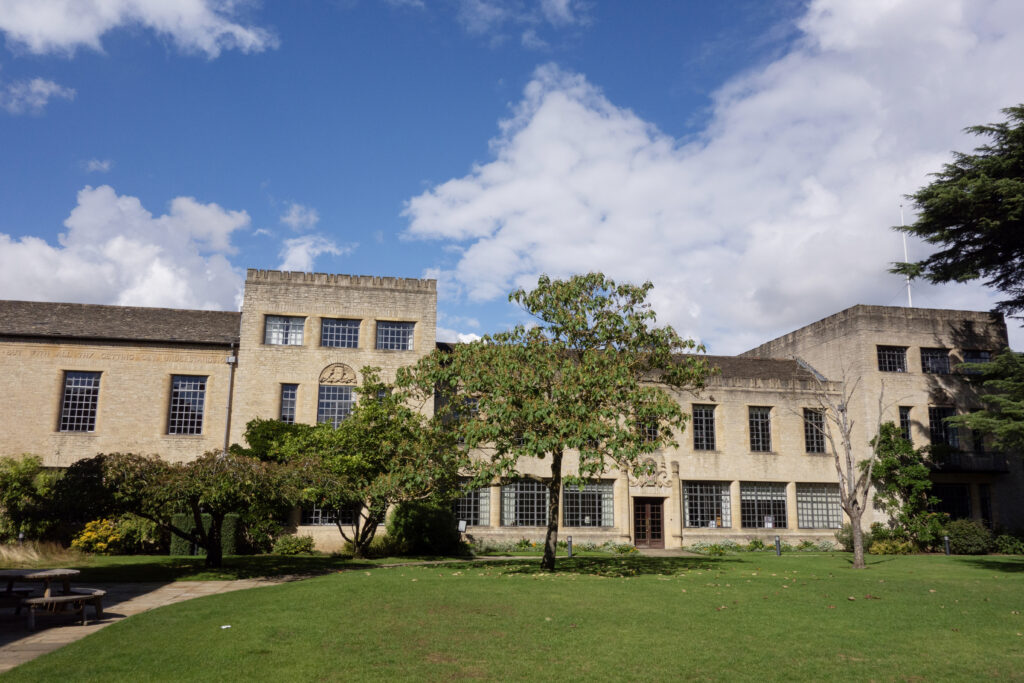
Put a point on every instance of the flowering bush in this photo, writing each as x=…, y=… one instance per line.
x=99, y=536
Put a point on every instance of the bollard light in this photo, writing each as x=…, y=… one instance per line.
x=568, y=544
x=945, y=543
x=778, y=547
x=21, y=538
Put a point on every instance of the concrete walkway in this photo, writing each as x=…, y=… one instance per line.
x=19, y=645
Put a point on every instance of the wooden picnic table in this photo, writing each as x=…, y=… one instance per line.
x=47, y=576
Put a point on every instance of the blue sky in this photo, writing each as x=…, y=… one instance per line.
x=747, y=157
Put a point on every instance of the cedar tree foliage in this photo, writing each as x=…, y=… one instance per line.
x=1002, y=395
x=973, y=211
x=589, y=379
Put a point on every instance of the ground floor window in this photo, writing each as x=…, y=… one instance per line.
x=763, y=505
x=524, y=502
x=707, y=504
x=314, y=516
x=474, y=507
x=954, y=500
x=818, y=506
x=592, y=505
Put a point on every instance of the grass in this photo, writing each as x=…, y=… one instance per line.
x=747, y=617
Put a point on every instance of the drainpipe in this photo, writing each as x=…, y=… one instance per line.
x=232, y=361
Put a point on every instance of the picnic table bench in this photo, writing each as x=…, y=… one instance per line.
x=77, y=599
x=51, y=600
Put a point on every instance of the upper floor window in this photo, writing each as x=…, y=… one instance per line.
x=284, y=330
x=339, y=333
x=935, y=361
x=289, y=394
x=394, y=336
x=814, y=430
x=760, y=429
x=703, y=428
x=188, y=397
x=975, y=357
x=648, y=431
x=78, y=405
x=892, y=358
x=942, y=433
x=905, y=422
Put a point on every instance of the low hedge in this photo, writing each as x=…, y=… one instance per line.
x=230, y=534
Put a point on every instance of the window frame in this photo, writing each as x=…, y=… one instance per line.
x=288, y=403
x=818, y=506
x=759, y=499
x=935, y=361
x=342, y=337
x=177, y=424
x=292, y=325
x=814, y=431
x=524, y=503
x=597, y=498
x=79, y=402
x=940, y=432
x=906, y=423
x=704, y=427
x=334, y=409
x=707, y=501
x=759, y=426
x=473, y=507
x=387, y=339
x=891, y=358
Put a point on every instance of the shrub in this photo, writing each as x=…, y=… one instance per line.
x=825, y=546
x=1008, y=544
x=99, y=536
x=967, y=537
x=291, y=544
x=891, y=547
x=228, y=541
x=425, y=528
x=380, y=546
x=844, y=537
x=756, y=545
x=620, y=548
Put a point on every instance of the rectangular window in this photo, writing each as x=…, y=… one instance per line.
x=188, y=395
x=760, y=429
x=703, y=428
x=334, y=404
x=78, y=405
x=474, y=507
x=339, y=333
x=892, y=358
x=935, y=361
x=707, y=504
x=283, y=330
x=394, y=336
x=975, y=357
x=818, y=506
x=648, y=431
x=763, y=505
x=289, y=394
x=315, y=516
x=590, y=506
x=905, y=422
x=814, y=430
x=942, y=433
x=524, y=502
x=954, y=500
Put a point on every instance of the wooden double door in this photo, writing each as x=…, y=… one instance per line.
x=649, y=522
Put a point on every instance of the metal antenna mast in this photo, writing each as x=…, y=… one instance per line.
x=906, y=259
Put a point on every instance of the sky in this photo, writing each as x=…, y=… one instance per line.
x=747, y=157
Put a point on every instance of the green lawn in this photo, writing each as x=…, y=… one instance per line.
x=747, y=616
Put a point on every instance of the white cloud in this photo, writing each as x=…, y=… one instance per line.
x=532, y=41
x=480, y=17
x=31, y=97
x=195, y=26
x=415, y=4
x=300, y=253
x=98, y=165
x=780, y=212
x=117, y=252
x=299, y=217
x=445, y=334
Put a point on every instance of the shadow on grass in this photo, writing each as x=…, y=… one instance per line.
x=607, y=566
x=165, y=569
x=999, y=563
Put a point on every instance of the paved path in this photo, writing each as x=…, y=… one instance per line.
x=18, y=645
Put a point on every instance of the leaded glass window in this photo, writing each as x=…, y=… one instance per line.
x=762, y=502
x=188, y=396
x=707, y=504
x=283, y=330
x=524, y=502
x=760, y=429
x=334, y=404
x=935, y=361
x=339, y=333
x=814, y=430
x=892, y=358
x=592, y=505
x=818, y=506
x=703, y=428
x=289, y=394
x=394, y=336
x=79, y=402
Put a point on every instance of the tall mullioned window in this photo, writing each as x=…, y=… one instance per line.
x=905, y=422
x=79, y=402
x=818, y=506
x=339, y=333
x=394, y=336
x=892, y=358
x=703, y=428
x=814, y=430
x=334, y=404
x=762, y=502
x=592, y=505
x=706, y=504
x=289, y=394
x=942, y=433
x=935, y=361
x=524, y=502
x=188, y=397
x=760, y=418
x=283, y=330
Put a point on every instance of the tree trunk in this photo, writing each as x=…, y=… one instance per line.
x=214, y=548
x=858, y=540
x=554, y=495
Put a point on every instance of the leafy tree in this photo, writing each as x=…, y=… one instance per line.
x=215, y=483
x=1002, y=395
x=590, y=377
x=974, y=212
x=903, y=484
x=386, y=452
x=25, y=489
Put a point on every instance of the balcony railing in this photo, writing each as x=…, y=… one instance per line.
x=964, y=461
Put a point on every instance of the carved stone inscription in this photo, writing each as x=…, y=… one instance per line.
x=338, y=373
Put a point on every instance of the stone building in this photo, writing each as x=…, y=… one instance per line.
x=83, y=379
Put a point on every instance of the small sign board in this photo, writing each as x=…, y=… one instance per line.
x=769, y=522
x=462, y=526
